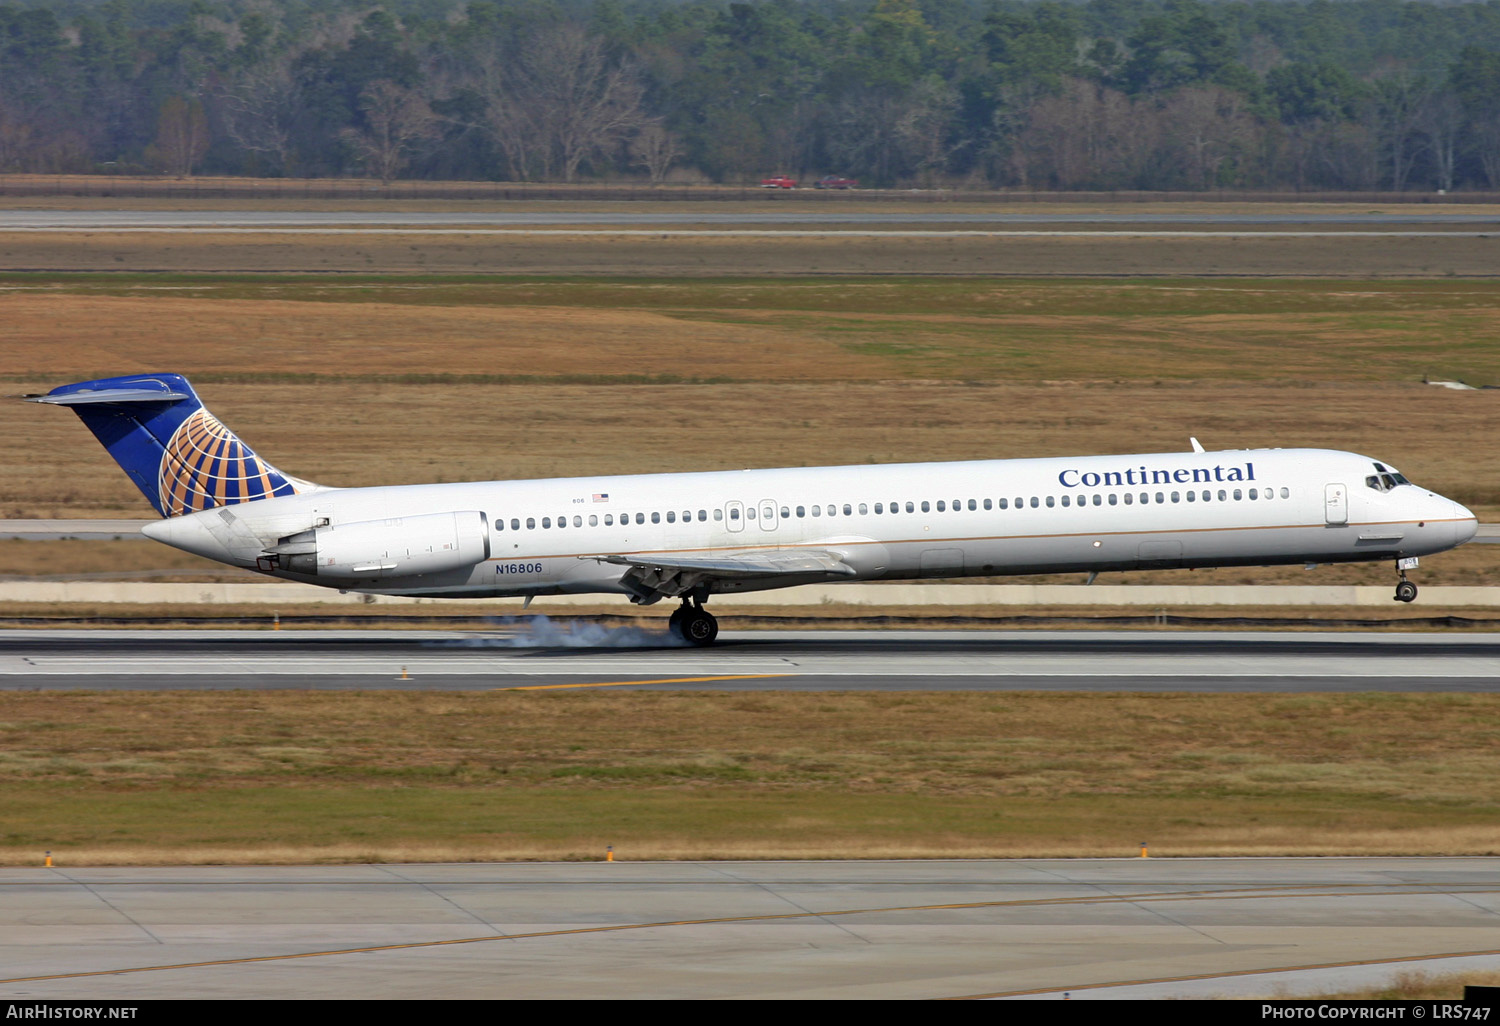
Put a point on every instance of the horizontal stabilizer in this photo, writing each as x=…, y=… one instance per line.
x=110, y=395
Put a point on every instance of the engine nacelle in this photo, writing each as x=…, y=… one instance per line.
x=399, y=547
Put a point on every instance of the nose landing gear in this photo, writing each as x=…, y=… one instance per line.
x=1406, y=591
x=694, y=624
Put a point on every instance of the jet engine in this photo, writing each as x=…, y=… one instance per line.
x=399, y=547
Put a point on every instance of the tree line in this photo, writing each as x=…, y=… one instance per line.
x=1105, y=94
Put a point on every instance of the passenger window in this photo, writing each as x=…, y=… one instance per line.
x=849, y=510
x=734, y=514
x=802, y=511
x=499, y=523
x=817, y=511
x=1223, y=495
x=1004, y=503
x=1098, y=500
x=609, y=520
x=1145, y=498
x=640, y=518
x=578, y=521
x=1207, y=495
x=1254, y=494
x=515, y=524
x=986, y=503
x=832, y=510
x=750, y=513
x=910, y=507
x=531, y=523
x=702, y=515
x=1066, y=500
x=1034, y=502
x=864, y=509
x=1128, y=498
x=671, y=516
x=1286, y=494
x=785, y=512
x=718, y=515
x=926, y=506
x=1174, y=497
x=1114, y=500
x=879, y=508
x=593, y=520
x=656, y=518
x=1050, y=502
x=546, y=522
x=942, y=506
x=1238, y=495
x=1159, y=497
x=562, y=522
x=1191, y=496
x=972, y=504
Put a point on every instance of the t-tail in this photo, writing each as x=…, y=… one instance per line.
x=178, y=454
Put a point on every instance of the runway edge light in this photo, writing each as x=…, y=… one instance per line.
x=48, y=863
x=1144, y=853
x=609, y=853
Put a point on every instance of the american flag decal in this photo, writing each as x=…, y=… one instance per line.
x=601, y=496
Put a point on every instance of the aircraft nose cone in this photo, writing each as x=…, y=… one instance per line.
x=1465, y=524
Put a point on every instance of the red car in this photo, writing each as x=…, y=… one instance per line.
x=835, y=182
x=778, y=182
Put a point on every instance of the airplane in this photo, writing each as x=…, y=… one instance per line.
x=687, y=537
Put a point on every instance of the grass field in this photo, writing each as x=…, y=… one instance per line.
x=295, y=777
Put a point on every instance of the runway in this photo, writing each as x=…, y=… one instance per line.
x=542, y=654
x=812, y=930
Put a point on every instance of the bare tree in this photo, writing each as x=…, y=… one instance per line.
x=1440, y=121
x=1206, y=125
x=582, y=102
x=261, y=106
x=925, y=125
x=396, y=120
x=181, y=137
x=655, y=149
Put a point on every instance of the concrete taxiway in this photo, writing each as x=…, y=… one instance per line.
x=555, y=654
x=1024, y=928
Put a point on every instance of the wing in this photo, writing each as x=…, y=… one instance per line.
x=650, y=577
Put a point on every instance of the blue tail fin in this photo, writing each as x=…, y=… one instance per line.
x=177, y=453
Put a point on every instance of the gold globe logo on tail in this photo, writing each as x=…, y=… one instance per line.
x=205, y=465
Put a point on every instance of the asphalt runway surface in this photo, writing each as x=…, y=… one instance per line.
x=1090, y=928
x=554, y=654
x=204, y=220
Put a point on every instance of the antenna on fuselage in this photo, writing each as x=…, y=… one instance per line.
x=1197, y=445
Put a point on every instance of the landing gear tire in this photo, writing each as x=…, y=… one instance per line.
x=1406, y=592
x=674, y=623
x=696, y=626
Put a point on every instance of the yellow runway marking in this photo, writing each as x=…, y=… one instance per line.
x=1237, y=893
x=623, y=683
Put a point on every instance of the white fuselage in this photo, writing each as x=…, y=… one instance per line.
x=981, y=518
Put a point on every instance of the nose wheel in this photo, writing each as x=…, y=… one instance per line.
x=1406, y=591
x=694, y=624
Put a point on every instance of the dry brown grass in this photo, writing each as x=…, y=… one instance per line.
x=298, y=776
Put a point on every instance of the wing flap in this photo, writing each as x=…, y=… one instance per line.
x=740, y=565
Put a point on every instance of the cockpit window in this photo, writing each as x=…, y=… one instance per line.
x=1386, y=479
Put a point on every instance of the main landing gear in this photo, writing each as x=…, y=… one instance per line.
x=1406, y=591
x=694, y=624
